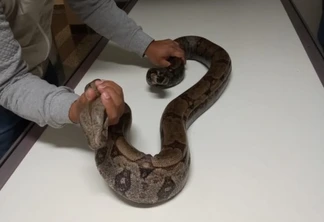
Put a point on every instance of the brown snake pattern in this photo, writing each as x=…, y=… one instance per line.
x=143, y=178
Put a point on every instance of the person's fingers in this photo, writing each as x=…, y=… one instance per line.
x=101, y=87
x=110, y=93
x=80, y=103
x=111, y=97
x=178, y=52
x=175, y=47
x=111, y=108
x=86, y=97
x=113, y=103
x=108, y=83
x=164, y=63
x=175, y=44
x=90, y=94
x=174, y=52
x=159, y=52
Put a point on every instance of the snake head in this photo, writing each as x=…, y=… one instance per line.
x=159, y=77
x=166, y=77
x=94, y=121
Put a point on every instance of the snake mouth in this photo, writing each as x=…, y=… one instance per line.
x=157, y=80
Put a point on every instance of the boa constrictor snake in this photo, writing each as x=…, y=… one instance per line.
x=143, y=178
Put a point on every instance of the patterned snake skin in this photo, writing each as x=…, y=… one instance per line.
x=143, y=178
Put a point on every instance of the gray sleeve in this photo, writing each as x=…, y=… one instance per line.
x=108, y=20
x=25, y=94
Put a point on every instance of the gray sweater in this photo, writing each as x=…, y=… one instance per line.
x=34, y=99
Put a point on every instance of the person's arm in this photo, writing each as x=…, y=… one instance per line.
x=25, y=94
x=108, y=20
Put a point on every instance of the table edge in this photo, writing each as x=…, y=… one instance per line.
x=311, y=48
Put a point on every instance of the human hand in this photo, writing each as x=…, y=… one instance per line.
x=112, y=98
x=159, y=51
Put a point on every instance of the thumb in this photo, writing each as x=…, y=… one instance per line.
x=80, y=103
x=164, y=63
x=87, y=96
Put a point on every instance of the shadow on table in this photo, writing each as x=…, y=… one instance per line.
x=115, y=54
x=71, y=136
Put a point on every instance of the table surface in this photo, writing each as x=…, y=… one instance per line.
x=257, y=154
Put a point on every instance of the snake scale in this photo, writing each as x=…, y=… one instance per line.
x=143, y=178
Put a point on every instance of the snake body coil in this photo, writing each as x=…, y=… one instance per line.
x=143, y=178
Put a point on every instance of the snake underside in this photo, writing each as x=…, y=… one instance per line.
x=143, y=178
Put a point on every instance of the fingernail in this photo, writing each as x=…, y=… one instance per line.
x=106, y=95
x=99, y=81
x=101, y=86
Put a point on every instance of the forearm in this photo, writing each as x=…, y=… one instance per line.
x=34, y=99
x=108, y=20
x=25, y=94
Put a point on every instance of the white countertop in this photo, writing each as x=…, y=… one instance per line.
x=257, y=154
